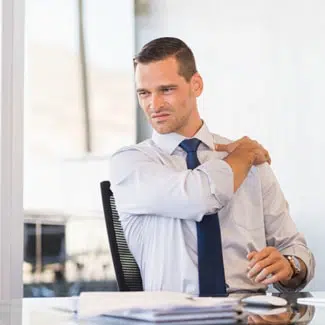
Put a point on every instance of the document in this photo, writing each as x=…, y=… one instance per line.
x=156, y=306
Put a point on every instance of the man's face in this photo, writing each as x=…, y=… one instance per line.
x=167, y=99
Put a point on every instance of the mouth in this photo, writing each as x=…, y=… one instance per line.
x=160, y=117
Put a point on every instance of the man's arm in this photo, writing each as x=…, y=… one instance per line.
x=282, y=239
x=143, y=186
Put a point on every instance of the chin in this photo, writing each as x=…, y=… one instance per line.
x=163, y=129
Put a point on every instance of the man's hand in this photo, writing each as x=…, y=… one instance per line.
x=282, y=318
x=269, y=266
x=246, y=146
x=243, y=154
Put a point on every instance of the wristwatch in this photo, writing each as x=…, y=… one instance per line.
x=295, y=264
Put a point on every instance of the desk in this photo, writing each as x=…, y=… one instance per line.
x=55, y=311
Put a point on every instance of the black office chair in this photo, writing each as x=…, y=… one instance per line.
x=126, y=269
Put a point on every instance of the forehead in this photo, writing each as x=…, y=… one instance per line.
x=157, y=73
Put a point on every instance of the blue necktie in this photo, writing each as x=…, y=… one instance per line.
x=210, y=260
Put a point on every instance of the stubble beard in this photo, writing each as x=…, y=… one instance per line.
x=170, y=126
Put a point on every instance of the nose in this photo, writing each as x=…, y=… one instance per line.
x=157, y=102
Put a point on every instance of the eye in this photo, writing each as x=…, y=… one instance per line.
x=167, y=90
x=143, y=93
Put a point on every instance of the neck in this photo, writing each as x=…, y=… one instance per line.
x=192, y=125
x=191, y=129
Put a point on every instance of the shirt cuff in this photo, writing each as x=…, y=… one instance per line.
x=307, y=257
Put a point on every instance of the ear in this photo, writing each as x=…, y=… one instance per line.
x=197, y=84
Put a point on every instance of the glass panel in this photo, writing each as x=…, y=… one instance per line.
x=79, y=108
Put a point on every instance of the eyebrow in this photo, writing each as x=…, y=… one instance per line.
x=167, y=86
x=139, y=90
x=159, y=88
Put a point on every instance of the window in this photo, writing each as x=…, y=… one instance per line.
x=79, y=108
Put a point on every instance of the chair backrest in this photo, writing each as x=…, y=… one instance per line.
x=126, y=269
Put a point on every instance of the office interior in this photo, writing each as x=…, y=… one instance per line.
x=262, y=63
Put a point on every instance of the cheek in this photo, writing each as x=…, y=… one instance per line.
x=185, y=106
x=144, y=104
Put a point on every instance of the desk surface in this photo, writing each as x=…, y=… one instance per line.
x=57, y=311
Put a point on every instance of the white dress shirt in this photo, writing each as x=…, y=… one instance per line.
x=159, y=200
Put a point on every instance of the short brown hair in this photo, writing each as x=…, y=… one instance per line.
x=164, y=47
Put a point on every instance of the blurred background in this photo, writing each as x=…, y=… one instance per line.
x=264, y=71
x=79, y=108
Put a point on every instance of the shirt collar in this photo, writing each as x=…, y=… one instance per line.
x=170, y=141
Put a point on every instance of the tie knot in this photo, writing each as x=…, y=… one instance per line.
x=190, y=145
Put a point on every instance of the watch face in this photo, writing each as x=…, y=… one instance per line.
x=297, y=264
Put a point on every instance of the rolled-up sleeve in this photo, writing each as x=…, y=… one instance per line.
x=142, y=185
x=281, y=231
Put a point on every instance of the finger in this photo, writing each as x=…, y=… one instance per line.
x=243, y=140
x=265, y=252
x=279, y=276
x=268, y=271
x=268, y=158
x=263, y=155
x=281, y=318
x=251, y=254
x=230, y=147
x=273, y=258
x=260, y=266
x=261, y=158
x=255, y=319
x=221, y=147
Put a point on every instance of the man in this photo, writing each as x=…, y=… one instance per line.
x=201, y=214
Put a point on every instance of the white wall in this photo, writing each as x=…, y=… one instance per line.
x=264, y=71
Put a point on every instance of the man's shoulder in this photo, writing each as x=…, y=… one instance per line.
x=219, y=139
x=144, y=146
x=264, y=171
x=127, y=158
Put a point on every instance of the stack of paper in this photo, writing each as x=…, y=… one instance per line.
x=158, y=307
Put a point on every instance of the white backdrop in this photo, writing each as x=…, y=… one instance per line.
x=264, y=71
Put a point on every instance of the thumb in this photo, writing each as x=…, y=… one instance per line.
x=222, y=147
